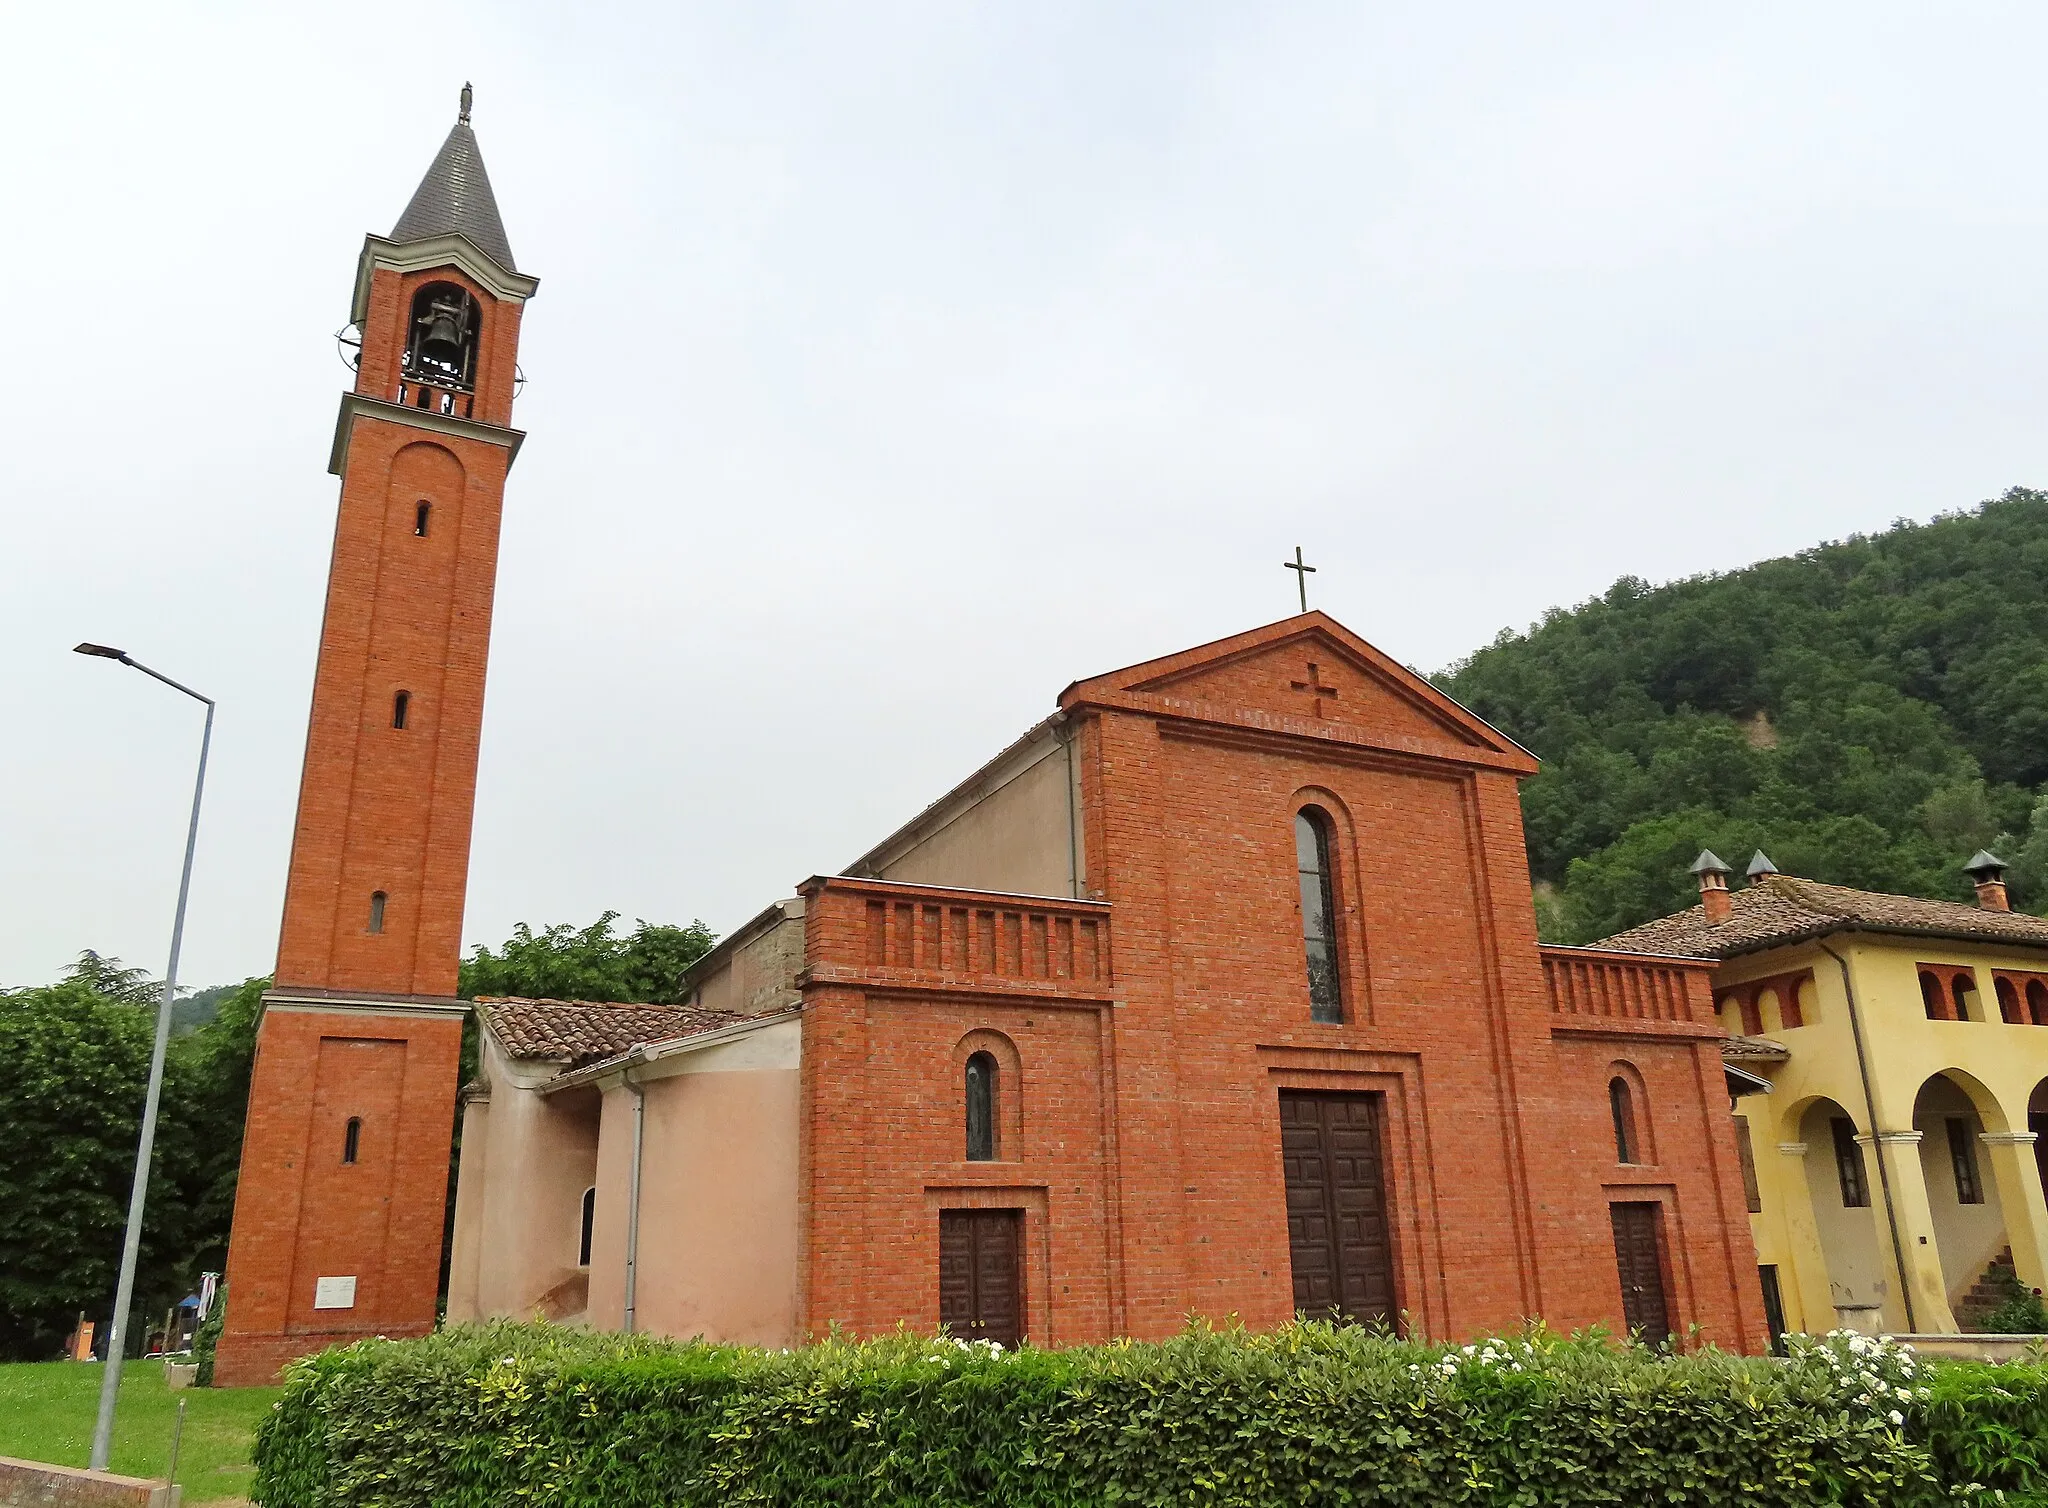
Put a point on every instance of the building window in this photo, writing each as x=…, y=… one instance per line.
x=1621, y=1104
x=2037, y=1001
x=352, y=1139
x=589, y=1224
x=1318, y=914
x=420, y=516
x=401, y=704
x=981, y=1107
x=1962, y=1154
x=377, y=911
x=2008, y=1001
x=1931, y=998
x=1962, y=987
x=1849, y=1166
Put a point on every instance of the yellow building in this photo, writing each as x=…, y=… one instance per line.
x=1896, y=1156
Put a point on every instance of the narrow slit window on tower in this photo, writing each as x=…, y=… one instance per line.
x=1318, y=914
x=589, y=1226
x=420, y=516
x=981, y=1107
x=377, y=911
x=401, y=704
x=352, y=1139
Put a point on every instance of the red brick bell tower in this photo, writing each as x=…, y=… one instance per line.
x=339, y=1212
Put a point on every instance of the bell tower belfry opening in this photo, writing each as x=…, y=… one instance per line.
x=340, y=1209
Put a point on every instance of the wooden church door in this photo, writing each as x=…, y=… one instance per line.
x=981, y=1274
x=1639, y=1256
x=1338, y=1231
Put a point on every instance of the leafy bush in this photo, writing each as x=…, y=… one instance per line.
x=2019, y=1312
x=1308, y=1414
x=206, y=1339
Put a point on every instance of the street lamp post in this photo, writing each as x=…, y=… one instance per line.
x=131, y=1243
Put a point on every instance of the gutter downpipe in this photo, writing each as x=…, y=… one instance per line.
x=1884, y=1177
x=633, y=1193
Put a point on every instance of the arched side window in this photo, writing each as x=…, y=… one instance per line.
x=377, y=899
x=1621, y=1104
x=2009, y=1009
x=2037, y=1001
x=401, y=708
x=351, y=1140
x=1931, y=998
x=589, y=1225
x=1963, y=988
x=1318, y=913
x=981, y=1107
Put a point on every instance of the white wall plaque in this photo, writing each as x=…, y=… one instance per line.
x=334, y=1293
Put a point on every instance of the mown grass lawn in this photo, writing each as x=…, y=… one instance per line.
x=47, y=1411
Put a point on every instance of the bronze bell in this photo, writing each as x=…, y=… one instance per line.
x=441, y=335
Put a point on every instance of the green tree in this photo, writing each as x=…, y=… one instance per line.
x=74, y=1066
x=1868, y=711
x=563, y=962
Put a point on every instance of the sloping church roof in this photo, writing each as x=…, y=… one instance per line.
x=455, y=198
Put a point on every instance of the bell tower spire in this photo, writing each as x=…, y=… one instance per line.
x=339, y=1210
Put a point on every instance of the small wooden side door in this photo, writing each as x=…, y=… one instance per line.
x=1639, y=1256
x=981, y=1274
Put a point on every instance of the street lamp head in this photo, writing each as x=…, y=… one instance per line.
x=102, y=651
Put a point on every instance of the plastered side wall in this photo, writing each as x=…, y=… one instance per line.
x=523, y=1206
x=1018, y=838
x=759, y=975
x=718, y=1210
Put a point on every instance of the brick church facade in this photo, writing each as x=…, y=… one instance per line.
x=1217, y=993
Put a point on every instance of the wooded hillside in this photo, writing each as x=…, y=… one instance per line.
x=1867, y=712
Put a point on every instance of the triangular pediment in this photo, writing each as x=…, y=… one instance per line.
x=1307, y=670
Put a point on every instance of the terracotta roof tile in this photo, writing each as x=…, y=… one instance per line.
x=576, y=1032
x=1754, y=1050
x=1782, y=909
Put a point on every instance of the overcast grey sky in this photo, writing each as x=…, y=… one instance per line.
x=895, y=364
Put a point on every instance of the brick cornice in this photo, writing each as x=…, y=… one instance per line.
x=1280, y=729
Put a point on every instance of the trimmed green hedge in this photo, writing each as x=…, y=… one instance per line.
x=1306, y=1415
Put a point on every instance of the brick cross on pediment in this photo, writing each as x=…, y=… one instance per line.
x=1316, y=689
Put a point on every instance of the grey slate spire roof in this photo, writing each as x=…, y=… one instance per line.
x=455, y=198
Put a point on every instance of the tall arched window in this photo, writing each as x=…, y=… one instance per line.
x=1318, y=914
x=981, y=1107
x=2037, y=1002
x=2008, y=1001
x=1621, y=1104
x=352, y=1139
x=377, y=911
x=589, y=1225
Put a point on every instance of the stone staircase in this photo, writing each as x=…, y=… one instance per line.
x=1990, y=1290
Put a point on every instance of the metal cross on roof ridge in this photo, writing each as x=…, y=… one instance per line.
x=1302, y=571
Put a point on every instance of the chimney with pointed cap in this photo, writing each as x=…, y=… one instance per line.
x=1760, y=867
x=1713, y=877
x=1988, y=870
